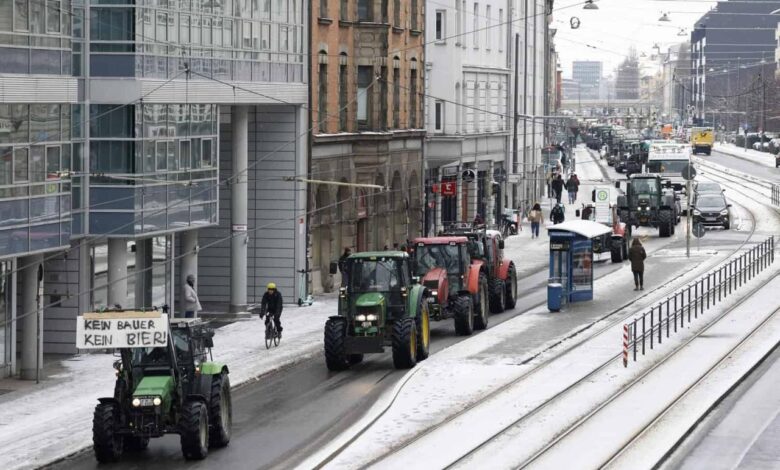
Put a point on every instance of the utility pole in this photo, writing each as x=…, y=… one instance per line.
x=525, y=101
x=516, y=120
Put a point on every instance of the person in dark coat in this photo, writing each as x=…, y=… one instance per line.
x=344, y=267
x=557, y=214
x=637, y=257
x=272, y=305
x=573, y=185
x=557, y=187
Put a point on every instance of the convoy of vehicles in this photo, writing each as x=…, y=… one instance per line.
x=381, y=307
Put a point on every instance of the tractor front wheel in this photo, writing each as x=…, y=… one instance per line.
x=404, y=343
x=220, y=411
x=481, y=308
x=497, y=295
x=665, y=223
x=335, y=345
x=194, y=428
x=463, y=312
x=107, y=443
x=511, y=288
x=423, y=325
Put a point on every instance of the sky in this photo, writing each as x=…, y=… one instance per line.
x=607, y=33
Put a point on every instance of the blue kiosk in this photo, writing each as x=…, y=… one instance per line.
x=571, y=261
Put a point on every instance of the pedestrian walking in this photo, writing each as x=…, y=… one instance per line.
x=535, y=217
x=573, y=186
x=191, y=302
x=557, y=186
x=344, y=266
x=637, y=257
x=478, y=220
x=558, y=214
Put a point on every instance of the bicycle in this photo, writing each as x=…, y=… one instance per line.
x=272, y=335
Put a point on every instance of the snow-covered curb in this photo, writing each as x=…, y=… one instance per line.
x=750, y=155
x=43, y=426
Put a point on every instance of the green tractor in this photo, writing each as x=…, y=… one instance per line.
x=167, y=389
x=382, y=306
x=649, y=202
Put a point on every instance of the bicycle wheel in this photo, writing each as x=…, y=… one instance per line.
x=277, y=337
x=269, y=336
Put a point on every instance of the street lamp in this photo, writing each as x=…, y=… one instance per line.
x=590, y=5
x=665, y=18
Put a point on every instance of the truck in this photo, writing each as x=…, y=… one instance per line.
x=702, y=139
x=382, y=306
x=457, y=283
x=166, y=383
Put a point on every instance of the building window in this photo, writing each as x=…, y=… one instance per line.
x=322, y=102
x=343, y=93
x=344, y=10
x=385, y=16
x=323, y=8
x=501, y=30
x=53, y=16
x=365, y=10
x=413, y=96
x=21, y=15
x=440, y=24
x=475, y=25
x=438, y=116
x=21, y=165
x=397, y=13
x=364, y=79
x=414, y=14
x=488, y=30
x=383, y=96
x=396, y=97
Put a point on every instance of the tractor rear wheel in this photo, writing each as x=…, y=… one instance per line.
x=194, y=429
x=220, y=411
x=497, y=295
x=107, y=443
x=511, y=288
x=463, y=311
x=423, y=325
x=481, y=308
x=665, y=223
x=404, y=343
x=335, y=345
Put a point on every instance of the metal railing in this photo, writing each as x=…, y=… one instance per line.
x=693, y=300
x=776, y=194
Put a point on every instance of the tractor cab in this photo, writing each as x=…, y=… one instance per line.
x=384, y=278
x=447, y=257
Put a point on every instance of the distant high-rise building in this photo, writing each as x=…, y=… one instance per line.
x=588, y=74
x=627, y=81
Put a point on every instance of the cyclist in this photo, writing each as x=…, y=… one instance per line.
x=272, y=305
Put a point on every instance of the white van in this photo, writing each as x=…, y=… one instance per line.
x=669, y=160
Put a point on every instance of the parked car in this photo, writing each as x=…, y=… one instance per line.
x=712, y=209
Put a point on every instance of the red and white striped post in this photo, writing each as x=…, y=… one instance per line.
x=625, y=345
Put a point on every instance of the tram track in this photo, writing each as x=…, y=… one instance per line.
x=614, y=318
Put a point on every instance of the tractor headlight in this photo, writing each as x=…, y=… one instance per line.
x=136, y=402
x=157, y=401
x=435, y=293
x=360, y=318
x=371, y=317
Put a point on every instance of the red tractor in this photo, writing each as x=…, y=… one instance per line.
x=488, y=246
x=458, y=283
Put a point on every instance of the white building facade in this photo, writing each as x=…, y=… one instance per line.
x=469, y=100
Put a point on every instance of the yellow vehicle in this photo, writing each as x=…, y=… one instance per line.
x=702, y=139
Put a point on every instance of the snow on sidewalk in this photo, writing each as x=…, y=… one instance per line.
x=43, y=425
x=762, y=158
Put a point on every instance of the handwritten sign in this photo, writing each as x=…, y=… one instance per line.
x=121, y=330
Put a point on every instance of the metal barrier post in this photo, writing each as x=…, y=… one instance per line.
x=720, y=282
x=660, y=325
x=696, y=296
x=708, y=291
x=689, y=304
x=652, y=328
x=634, y=335
x=625, y=345
x=643, y=334
x=675, y=312
x=731, y=276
